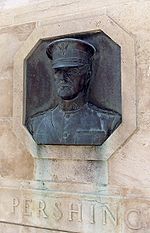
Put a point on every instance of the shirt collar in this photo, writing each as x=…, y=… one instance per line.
x=74, y=104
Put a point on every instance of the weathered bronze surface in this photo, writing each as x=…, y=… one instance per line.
x=74, y=120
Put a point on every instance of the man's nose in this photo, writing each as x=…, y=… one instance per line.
x=64, y=77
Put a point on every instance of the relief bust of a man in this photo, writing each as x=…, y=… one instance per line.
x=74, y=121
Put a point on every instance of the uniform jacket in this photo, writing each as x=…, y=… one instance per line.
x=87, y=125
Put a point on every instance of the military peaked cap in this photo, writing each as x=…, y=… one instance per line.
x=70, y=52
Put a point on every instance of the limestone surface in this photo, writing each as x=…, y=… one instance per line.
x=68, y=189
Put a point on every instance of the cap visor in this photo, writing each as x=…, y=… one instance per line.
x=66, y=64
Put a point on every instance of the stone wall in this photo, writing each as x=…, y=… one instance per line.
x=128, y=167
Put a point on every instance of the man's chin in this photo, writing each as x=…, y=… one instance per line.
x=67, y=97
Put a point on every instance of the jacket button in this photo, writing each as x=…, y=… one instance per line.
x=67, y=116
x=65, y=135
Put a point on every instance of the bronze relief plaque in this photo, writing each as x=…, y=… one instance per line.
x=73, y=90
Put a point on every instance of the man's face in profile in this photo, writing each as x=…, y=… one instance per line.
x=69, y=81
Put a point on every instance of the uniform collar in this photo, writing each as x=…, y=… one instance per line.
x=74, y=104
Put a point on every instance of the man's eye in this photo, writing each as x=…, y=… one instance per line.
x=56, y=71
x=73, y=71
x=70, y=72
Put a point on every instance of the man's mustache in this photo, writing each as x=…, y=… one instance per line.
x=61, y=87
x=65, y=84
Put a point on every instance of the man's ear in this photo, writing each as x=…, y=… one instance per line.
x=87, y=82
x=82, y=81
